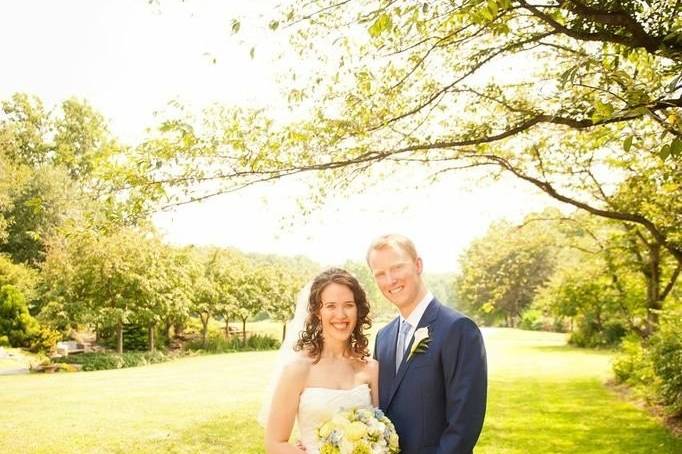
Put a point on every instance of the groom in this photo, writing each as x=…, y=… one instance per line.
x=432, y=363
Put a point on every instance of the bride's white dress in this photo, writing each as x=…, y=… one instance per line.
x=318, y=405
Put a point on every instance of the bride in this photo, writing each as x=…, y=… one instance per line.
x=327, y=369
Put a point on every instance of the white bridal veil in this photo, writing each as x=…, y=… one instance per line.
x=286, y=351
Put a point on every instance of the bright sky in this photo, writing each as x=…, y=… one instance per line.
x=129, y=59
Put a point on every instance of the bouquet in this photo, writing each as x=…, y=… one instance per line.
x=358, y=431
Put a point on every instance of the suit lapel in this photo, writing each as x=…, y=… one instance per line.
x=429, y=316
x=387, y=363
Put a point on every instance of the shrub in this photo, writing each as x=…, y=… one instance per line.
x=135, y=338
x=64, y=367
x=45, y=340
x=588, y=333
x=16, y=324
x=262, y=342
x=633, y=365
x=103, y=361
x=654, y=367
x=666, y=356
x=218, y=344
x=536, y=320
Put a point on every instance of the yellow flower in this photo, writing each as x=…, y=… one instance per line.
x=356, y=430
x=329, y=449
x=393, y=440
x=326, y=429
x=362, y=448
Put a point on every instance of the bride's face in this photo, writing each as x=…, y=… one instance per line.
x=338, y=312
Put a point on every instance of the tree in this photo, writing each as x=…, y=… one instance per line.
x=632, y=269
x=60, y=167
x=502, y=271
x=224, y=272
x=63, y=165
x=411, y=84
x=39, y=207
x=21, y=277
x=283, y=287
x=160, y=287
x=442, y=286
x=105, y=280
x=178, y=263
x=24, y=124
x=586, y=294
x=204, y=297
x=251, y=293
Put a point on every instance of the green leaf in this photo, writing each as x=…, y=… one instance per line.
x=602, y=111
x=487, y=14
x=568, y=75
x=674, y=84
x=627, y=144
x=639, y=111
x=273, y=25
x=252, y=52
x=380, y=25
x=493, y=8
x=675, y=147
x=235, y=25
x=664, y=152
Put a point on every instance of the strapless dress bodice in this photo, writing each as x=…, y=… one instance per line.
x=318, y=405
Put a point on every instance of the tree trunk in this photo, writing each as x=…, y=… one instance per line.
x=243, y=331
x=653, y=292
x=178, y=328
x=119, y=336
x=150, y=336
x=284, y=331
x=204, y=329
x=167, y=329
x=227, y=328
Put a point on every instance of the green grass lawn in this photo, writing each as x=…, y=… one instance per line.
x=544, y=398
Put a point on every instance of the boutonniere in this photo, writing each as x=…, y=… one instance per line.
x=421, y=341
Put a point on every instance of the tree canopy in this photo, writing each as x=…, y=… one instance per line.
x=580, y=99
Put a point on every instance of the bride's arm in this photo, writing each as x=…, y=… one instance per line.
x=373, y=367
x=284, y=408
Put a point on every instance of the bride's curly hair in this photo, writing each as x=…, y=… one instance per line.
x=310, y=338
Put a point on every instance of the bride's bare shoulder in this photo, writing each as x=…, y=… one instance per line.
x=298, y=366
x=367, y=364
x=371, y=364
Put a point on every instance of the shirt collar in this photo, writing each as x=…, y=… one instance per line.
x=416, y=314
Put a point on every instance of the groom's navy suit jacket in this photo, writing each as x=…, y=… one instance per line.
x=437, y=398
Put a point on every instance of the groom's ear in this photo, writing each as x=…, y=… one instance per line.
x=419, y=264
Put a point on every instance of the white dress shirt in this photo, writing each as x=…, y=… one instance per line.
x=416, y=315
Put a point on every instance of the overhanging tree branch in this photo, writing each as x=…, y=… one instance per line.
x=620, y=216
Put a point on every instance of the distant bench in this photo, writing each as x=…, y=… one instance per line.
x=68, y=347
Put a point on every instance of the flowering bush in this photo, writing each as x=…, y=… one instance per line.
x=358, y=431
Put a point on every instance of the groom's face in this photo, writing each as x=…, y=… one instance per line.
x=398, y=276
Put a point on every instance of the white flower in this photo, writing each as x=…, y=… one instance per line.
x=421, y=334
x=421, y=339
